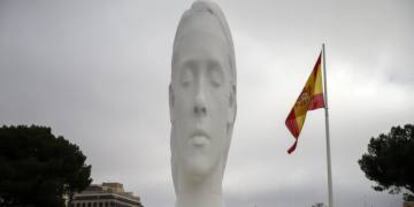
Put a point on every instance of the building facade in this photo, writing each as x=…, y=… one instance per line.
x=408, y=204
x=105, y=195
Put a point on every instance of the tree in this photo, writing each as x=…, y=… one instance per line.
x=390, y=161
x=39, y=169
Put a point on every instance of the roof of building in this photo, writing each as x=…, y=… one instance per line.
x=109, y=190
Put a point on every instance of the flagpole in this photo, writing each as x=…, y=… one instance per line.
x=328, y=145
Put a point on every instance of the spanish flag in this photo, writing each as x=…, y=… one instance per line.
x=310, y=98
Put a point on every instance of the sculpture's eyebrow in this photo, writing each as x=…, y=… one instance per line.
x=189, y=64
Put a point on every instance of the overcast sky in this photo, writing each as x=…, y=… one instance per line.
x=97, y=72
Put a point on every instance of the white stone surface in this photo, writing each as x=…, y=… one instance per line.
x=202, y=105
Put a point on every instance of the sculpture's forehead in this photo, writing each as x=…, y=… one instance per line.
x=201, y=44
x=200, y=35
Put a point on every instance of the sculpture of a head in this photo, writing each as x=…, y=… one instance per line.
x=202, y=93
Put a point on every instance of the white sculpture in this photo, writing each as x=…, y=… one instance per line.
x=202, y=105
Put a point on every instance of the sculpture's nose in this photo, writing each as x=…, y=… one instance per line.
x=200, y=110
x=200, y=106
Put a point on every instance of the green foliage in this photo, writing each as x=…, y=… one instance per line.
x=38, y=169
x=390, y=161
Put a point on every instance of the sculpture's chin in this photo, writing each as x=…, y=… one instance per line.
x=199, y=167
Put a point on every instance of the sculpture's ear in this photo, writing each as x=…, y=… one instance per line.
x=171, y=101
x=232, y=105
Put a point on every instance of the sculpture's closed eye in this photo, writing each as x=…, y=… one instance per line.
x=215, y=74
x=186, y=77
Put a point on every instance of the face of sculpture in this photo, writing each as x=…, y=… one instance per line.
x=201, y=103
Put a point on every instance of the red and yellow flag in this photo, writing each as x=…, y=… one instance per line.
x=310, y=98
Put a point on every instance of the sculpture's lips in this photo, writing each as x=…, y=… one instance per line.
x=199, y=138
